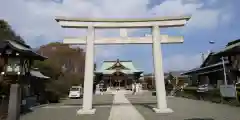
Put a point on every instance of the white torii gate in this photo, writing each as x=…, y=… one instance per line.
x=156, y=39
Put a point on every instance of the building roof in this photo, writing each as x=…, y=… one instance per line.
x=23, y=49
x=207, y=60
x=108, y=67
x=38, y=74
x=176, y=73
x=231, y=48
x=207, y=69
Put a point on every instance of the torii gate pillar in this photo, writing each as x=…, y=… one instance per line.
x=159, y=73
x=88, y=74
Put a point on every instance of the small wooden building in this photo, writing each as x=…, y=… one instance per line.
x=211, y=70
x=218, y=67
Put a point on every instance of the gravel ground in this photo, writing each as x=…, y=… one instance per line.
x=66, y=110
x=184, y=109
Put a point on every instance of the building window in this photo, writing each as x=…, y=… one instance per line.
x=238, y=79
x=54, y=48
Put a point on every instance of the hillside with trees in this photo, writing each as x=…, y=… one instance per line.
x=65, y=66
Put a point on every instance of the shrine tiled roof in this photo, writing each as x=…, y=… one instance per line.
x=128, y=67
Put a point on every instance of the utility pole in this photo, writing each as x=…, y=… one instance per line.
x=203, y=57
x=152, y=80
x=211, y=42
x=224, y=71
x=209, y=51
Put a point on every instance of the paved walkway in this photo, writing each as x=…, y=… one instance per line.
x=123, y=109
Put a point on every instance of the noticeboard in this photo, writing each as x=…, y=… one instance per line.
x=228, y=91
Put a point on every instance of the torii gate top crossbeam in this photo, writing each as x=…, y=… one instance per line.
x=123, y=23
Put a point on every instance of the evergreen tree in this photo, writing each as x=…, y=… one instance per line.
x=6, y=32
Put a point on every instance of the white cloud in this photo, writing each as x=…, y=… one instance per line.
x=211, y=2
x=202, y=18
x=34, y=19
x=175, y=7
x=108, y=52
x=182, y=62
x=210, y=21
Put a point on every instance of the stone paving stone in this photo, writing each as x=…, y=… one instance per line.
x=184, y=109
x=123, y=112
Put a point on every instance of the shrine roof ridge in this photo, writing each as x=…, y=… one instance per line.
x=116, y=61
x=61, y=18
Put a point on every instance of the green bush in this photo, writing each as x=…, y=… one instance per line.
x=154, y=93
x=212, y=96
x=52, y=96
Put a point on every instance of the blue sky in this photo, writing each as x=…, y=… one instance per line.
x=211, y=20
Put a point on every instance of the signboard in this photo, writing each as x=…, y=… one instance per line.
x=24, y=102
x=13, y=65
x=228, y=91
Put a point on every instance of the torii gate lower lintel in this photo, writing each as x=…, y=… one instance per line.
x=165, y=39
x=155, y=39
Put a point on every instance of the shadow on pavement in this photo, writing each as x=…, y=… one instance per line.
x=148, y=106
x=25, y=110
x=200, y=119
x=115, y=104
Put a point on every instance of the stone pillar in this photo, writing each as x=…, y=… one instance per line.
x=125, y=82
x=14, y=102
x=159, y=73
x=123, y=32
x=88, y=74
x=110, y=80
